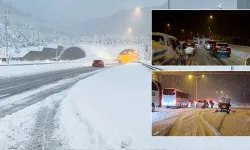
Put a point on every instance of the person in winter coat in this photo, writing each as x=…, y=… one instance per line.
x=219, y=105
x=211, y=103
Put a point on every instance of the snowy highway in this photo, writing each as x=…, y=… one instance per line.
x=201, y=122
x=17, y=85
x=17, y=93
x=203, y=57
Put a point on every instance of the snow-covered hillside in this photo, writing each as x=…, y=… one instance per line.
x=26, y=31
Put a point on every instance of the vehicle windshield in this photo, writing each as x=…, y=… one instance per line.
x=169, y=92
x=224, y=45
x=158, y=38
x=206, y=36
x=212, y=42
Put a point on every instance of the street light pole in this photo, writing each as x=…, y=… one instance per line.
x=196, y=91
x=196, y=84
x=6, y=34
x=138, y=49
x=56, y=54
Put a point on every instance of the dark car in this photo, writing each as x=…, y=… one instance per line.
x=98, y=63
x=221, y=49
x=201, y=104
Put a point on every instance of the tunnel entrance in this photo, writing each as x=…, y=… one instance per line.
x=73, y=53
x=128, y=55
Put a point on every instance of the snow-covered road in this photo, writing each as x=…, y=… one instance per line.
x=28, y=120
x=203, y=122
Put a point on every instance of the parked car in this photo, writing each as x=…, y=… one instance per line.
x=221, y=49
x=166, y=50
x=201, y=104
x=210, y=44
x=98, y=63
x=189, y=48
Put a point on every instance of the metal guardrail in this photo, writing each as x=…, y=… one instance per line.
x=26, y=64
x=29, y=64
x=150, y=67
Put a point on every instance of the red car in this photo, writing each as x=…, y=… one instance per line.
x=221, y=49
x=98, y=63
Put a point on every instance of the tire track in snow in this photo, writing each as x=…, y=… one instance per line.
x=42, y=134
x=192, y=124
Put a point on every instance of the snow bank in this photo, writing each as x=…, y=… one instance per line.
x=112, y=109
x=7, y=71
x=242, y=55
x=163, y=114
x=15, y=129
x=119, y=104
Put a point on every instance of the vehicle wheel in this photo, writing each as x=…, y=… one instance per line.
x=215, y=55
x=177, y=61
x=183, y=61
x=153, y=107
x=228, y=55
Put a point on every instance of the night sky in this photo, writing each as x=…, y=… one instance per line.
x=224, y=22
x=231, y=83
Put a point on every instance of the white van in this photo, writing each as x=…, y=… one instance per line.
x=156, y=94
x=166, y=50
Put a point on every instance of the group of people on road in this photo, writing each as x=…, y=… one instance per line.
x=206, y=104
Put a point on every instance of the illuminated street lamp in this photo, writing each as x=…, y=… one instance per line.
x=182, y=30
x=129, y=30
x=196, y=83
x=211, y=17
x=167, y=26
x=137, y=11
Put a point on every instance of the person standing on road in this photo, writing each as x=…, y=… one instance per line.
x=212, y=104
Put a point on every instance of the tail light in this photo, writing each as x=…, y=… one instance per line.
x=100, y=62
x=216, y=48
x=228, y=49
